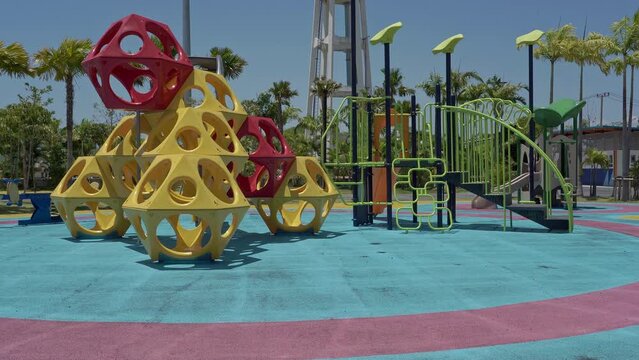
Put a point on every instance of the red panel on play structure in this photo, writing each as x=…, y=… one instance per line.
x=272, y=157
x=157, y=72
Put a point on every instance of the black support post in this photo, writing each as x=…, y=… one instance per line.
x=438, y=148
x=449, y=134
x=389, y=153
x=413, y=152
x=357, y=210
x=531, y=126
x=369, y=170
x=453, y=189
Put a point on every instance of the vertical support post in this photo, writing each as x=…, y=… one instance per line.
x=562, y=150
x=449, y=136
x=438, y=148
x=369, y=170
x=186, y=26
x=413, y=144
x=324, y=126
x=455, y=154
x=531, y=126
x=389, y=153
x=385, y=36
x=186, y=34
x=356, y=178
x=576, y=124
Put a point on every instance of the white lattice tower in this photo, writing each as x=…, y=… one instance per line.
x=325, y=43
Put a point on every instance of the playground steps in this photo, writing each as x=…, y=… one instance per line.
x=535, y=212
x=538, y=214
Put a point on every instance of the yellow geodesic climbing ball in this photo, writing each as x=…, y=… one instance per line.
x=185, y=207
x=194, y=131
x=87, y=201
x=302, y=202
x=211, y=92
x=117, y=155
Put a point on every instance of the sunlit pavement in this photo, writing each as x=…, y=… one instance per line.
x=475, y=292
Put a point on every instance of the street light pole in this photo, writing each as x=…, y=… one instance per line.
x=602, y=96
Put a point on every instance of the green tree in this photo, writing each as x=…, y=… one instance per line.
x=324, y=88
x=282, y=94
x=595, y=158
x=64, y=64
x=461, y=82
x=430, y=84
x=14, y=60
x=497, y=88
x=107, y=116
x=397, y=87
x=263, y=105
x=90, y=136
x=623, y=41
x=26, y=125
x=633, y=61
x=586, y=51
x=474, y=91
x=233, y=64
x=305, y=137
x=554, y=47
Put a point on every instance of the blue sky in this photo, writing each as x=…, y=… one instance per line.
x=274, y=37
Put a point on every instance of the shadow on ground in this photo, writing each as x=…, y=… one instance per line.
x=242, y=250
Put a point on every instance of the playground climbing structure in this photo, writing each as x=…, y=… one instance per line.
x=481, y=143
x=182, y=163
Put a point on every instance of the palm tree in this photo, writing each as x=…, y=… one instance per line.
x=589, y=50
x=429, y=85
x=324, y=88
x=497, y=88
x=308, y=133
x=595, y=158
x=397, y=87
x=624, y=39
x=473, y=92
x=633, y=61
x=64, y=64
x=553, y=48
x=233, y=63
x=14, y=60
x=282, y=93
x=461, y=81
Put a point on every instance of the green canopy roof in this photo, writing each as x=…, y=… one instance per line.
x=559, y=111
x=448, y=46
x=386, y=35
x=529, y=39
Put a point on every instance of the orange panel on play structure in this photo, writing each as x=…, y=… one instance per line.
x=379, y=174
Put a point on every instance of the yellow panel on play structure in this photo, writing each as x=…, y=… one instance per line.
x=198, y=198
x=116, y=155
x=306, y=187
x=86, y=188
x=215, y=94
x=194, y=131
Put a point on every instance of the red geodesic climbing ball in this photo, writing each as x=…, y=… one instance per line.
x=131, y=71
x=269, y=153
